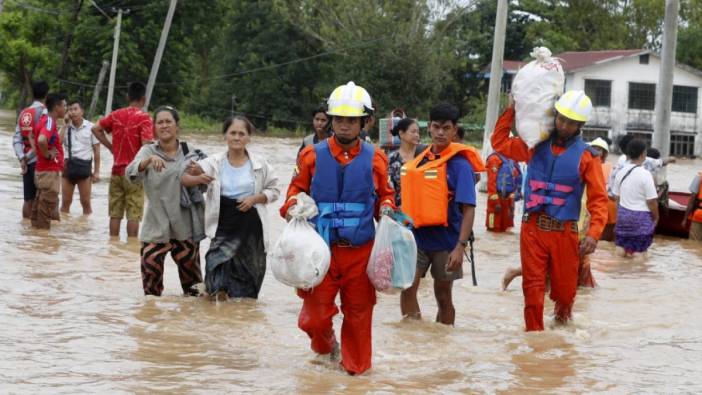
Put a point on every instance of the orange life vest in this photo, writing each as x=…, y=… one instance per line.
x=697, y=214
x=424, y=189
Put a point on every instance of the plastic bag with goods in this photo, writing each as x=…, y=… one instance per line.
x=300, y=257
x=535, y=89
x=393, y=259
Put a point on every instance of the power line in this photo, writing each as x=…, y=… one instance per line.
x=283, y=64
x=92, y=2
x=256, y=69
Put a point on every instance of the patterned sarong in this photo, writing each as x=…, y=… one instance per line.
x=634, y=230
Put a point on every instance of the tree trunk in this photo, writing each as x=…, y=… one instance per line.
x=69, y=40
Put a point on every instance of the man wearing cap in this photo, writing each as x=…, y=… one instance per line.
x=348, y=180
x=558, y=171
x=602, y=146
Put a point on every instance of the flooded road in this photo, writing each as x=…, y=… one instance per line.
x=74, y=318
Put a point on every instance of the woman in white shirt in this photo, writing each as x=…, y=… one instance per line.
x=239, y=186
x=637, y=214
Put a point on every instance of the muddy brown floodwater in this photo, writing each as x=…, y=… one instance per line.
x=74, y=318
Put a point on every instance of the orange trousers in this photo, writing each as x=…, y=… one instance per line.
x=504, y=219
x=347, y=274
x=548, y=253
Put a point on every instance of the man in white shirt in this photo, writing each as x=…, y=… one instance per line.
x=82, y=150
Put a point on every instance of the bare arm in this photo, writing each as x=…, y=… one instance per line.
x=96, y=165
x=43, y=146
x=190, y=181
x=99, y=133
x=690, y=208
x=653, y=206
x=62, y=132
x=456, y=257
x=467, y=223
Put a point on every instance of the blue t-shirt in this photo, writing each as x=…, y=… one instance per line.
x=237, y=182
x=462, y=183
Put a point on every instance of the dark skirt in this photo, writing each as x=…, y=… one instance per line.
x=236, y=260
x=634, y=230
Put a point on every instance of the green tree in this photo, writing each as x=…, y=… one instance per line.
x=267, y=64
x=384, y=46
x=468, y=33
x=28, y=39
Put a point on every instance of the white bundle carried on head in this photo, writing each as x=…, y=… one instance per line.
x=300, y=257
x=535, y=89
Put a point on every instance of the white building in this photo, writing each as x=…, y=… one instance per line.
x=622, y=86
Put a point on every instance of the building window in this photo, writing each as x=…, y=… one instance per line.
x=590, y=134
x=682, y=144
x=642, y=96
x=685, y=99
x=643, y=59
x=599, y=91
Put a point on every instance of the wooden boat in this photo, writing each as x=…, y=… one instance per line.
x=670, y=222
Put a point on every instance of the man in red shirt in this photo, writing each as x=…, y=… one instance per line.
x=49, y=162
x=130, y=128
x=558, y=171
x=23, y=143
x=339, y=173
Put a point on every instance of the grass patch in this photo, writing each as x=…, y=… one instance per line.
x=192, y=123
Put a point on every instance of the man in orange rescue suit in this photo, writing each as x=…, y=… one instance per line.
x=503, y=189
x=348, y=180
x=438, y=193
x=558, y=171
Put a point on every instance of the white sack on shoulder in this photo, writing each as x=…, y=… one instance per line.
x=535, y=89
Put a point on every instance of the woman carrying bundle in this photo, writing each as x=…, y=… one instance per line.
x=167, y=226
x=240, y=184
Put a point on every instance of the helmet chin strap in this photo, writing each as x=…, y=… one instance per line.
x=345, y=141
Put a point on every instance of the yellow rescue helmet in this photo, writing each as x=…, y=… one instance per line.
x=575, y=105
x=349, y=100
x=601, y=143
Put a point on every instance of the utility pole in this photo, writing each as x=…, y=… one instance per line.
x=113, y=68
x=664, y=89
x=159, y=53
x=98, y=88
x=493, y=101
x=1, y=4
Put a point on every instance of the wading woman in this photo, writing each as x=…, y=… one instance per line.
x=637, y=214
x=239, y=186
x=407, y=130
x=167, y=225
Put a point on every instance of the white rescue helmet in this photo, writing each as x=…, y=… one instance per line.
x=349, y=100
x=575, y=105
x=601, y=143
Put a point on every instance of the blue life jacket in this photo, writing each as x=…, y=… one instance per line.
x=345, y=196
x=553, y=182
x=507, y=182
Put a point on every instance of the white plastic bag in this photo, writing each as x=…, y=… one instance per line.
x=393, y=259
x=536, y=88
x=300, y=258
